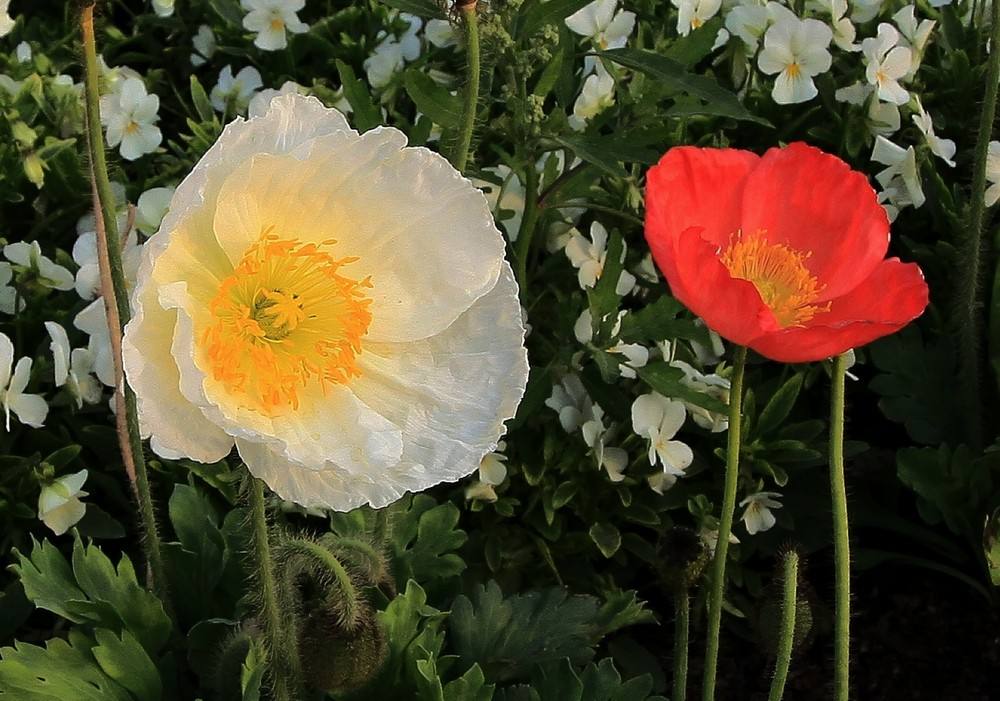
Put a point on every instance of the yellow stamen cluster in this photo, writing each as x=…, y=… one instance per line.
x=286, y=318
x=780, y=275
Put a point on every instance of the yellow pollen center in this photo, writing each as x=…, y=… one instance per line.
x=277, y=23
x=696, y=22
x=286, y=319
x=132, y=127
x=794, y=69
x=779, y=273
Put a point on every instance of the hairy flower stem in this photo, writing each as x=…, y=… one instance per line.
x=282, y=658
x=968, y=312
x=841, y=540
x=114, y=290
x=786, y=641
x=682, y=620
x=348, y=602
x=718, y=590
x=470, y=21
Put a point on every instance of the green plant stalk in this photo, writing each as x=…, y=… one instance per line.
x=682, y=621
x=110, y=248
x=282, y=658
x=786, y=642
x=969, y=304
x=841, y=539
x=718, y=581
x=528, y=225
x=470, y=21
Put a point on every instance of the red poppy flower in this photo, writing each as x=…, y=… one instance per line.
x=784, y=253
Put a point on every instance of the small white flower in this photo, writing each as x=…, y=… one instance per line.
x=883, y=117
x=93, y=321
x=569, y=399
x=30, y=409
x=661, y=481
x=606, y=28
x=691, y=14
x=711, y=538
x=993, y=173
x=796, y=51
x=236, y=91
x=636, y=355
x=151, y=208
x=865, y=10
x=757, y=516
x=506, y=199
x=29, y=256
x=392, y=53
x=88, y=276
x=73, y=368
x=270, y=19
x=8, y=293
x=262, y=100
x=589, y=257
x=913, y=35
x=749, y=21
x=658, y=419
x=901, y=167
x=6, y=22
x=710, y=385
x=886, y=63
x=613, y=460
x=112, y=79
x=130, y=115
x=441, y=33
x=163, y=8
x=942, y=148
x=713, y=352
x=492, y=473
x=23, y=52
x=204, y=45
x=59, y=505
x=843, y=29
x=597, y=95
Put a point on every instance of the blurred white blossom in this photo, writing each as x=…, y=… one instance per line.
x=204, y=45
x=59, y=505
x=30, y=409
x=658, y=419
x=590, y=256
x=757, y=516
x=993, y=173
x=73, y=368
x=272, y=20
x=130, y=114
x=597, y=95
x=235, y=90
x=29, y=257
x=886, y=64
x=603, y=25
x=901, y=169
x=795, y=50
x=691, y=14
x=942, y=148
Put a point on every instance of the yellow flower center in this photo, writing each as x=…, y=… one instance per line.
x=794, y=69
x=284, y=319
x=277, y=23
x=779, y=273
x=132, y=127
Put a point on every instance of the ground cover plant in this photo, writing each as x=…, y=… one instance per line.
x=522, y=350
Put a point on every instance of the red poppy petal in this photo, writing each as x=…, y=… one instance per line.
x=813, y=201
x=729, y=306
x=893, y=295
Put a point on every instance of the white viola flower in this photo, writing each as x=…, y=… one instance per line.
x=796, y=51
x=597, y=95
x=73, y=368
x=30, y=409
x=441, y=33
x=150, y=210
x=605, y=26
x=913, y=35
x=646, y=269
x=392, y=53
x=901, y=166
x=88, y=276
x=886, y=63
x=29, y=257
x=749, y=21
x=506, y=199
x=863, y=11
x=130, y=115
x=711, y=353
x=992, y=193
x=942, y=148
x=757, y=516
x=271, y=20
x=711, y=538
x=661, y=481
x=613, y=460
x=883, y=117
x=589, y=257
x=492, y=473
x=163, y=8
x=237, y=91
x=204, y=45
x=262, y=100
x=8, y=293
x=304, y=302
x=844, y=32
x=6, y=21
x=569, y=399
x=93, y=321
x=658, y=419
x=112, y=79
x=59, y=503
x=692, y=14
x=713, y=386
x=23, y=52
x=636, y=355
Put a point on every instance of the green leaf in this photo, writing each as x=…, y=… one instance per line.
x=252, y=674
x=779, y=406
x=124, y=660
x=608, y=152
x=432, y=99
x=471, y=686
x=62, y=457
x=674, y=75
x=202, y=105
x=538, y=13
x=420, y=8
x=424, y=540
x=689, y=50
x=621, y=609
x=659, y=322
x=366, y=113
x=606, y=537
x=604, y=297
x=49, y=582
x=991, y=546
x=228, y=10
x=666, y=380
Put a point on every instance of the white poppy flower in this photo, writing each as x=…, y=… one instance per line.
x=130, y=115
x=151, y=208
x=691, y=14
x=262, y=100
x=29, y=256
x=569, y=399
x=992, y=193
x=30, y=409
x=606, y=28
x=589, y=257
x=597, y=95
x=8, y=293
x=6, y=22
x=23, y=52
x=204, y=45
x=913, y=35
x=749, y=21
x=59, y=505
x=757, y=516
x=163, y=8
x=441, y=33
x=886, y=63
x=865, y=10
x=796, y=51
x=506, y=199
x=636, y=355
x=235, y=91
x=942, y=148
x=271, y=19
x=658, y=419
x=883, y=117
x=901, y=167
x=74, y=369
x=335, y=305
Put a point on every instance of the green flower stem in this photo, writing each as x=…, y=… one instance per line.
x=682, y=620
x=470, y=21
x=528, y=225
x=789, y=604
x=282, y=660
x=841, y=540
x=969, y=288
x=115, y=292
x=718, y=590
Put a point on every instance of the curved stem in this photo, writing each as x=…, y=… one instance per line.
x=348, y=603
x=281, y=658
x=718, y=590
x=968, y=302
x=789, y=604
x=682, y=620
x=528, y=226
x=114, y=289
x=470, y=22
x=841, y=540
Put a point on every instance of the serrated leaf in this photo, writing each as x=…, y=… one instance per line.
x=780, y=405
x=124, y=660
x=433, y=100
x=424, y=540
